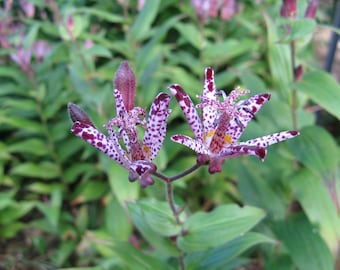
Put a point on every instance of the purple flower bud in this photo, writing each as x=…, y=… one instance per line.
x=288, y=8
x=41, y=48
x=298, y=73
x=28, y=8
x=88, y=44
x=125, y=83
x=311, y=9
x=228, y=9
x=78, y=115
x=22, y=57
x=70, y=23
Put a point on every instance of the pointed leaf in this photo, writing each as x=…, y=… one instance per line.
x=159, y=216
x=162, y=244
x=223, y=224
x=44, y=170
x=304, y=244
x=144, y=20
x=318, y=206
x=219, y=257
x=317, y=150
x=323, y=89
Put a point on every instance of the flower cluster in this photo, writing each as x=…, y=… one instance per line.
x=222, y=124
x=206, y=9
x=216, y=131
x=289, y=10
x=137, y=156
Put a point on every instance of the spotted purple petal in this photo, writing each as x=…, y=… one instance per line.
x=195, y=145
x=209, y=91
x=156, y=126
x=271, y=139
x=120, y=107
x=247, y=110
x=188, y=109
x=94, y=137
x=239, y=150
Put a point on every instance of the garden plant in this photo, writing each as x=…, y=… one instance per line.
x=217, y=131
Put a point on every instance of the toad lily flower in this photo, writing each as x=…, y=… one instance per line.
x=136, y=156
x=222, y=124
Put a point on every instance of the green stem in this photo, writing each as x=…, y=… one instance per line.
x=175, y=212
x=170, y=198
x=294, y=94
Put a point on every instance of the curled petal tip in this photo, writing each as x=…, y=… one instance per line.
x=78, y=115
x=294, y=132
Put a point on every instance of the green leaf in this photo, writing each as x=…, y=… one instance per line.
x=304, y=244
x=223, y=224
x=21, y=123
x=143, y=22
x=65, y=250
x=107, y=16
x=89, y=191
x=97, y=50
x=322, y=89
x=11, y=230
x=159, y=216
x=43, y=188
x=219, y=257
x=116, y=220
x=162, y=244
x=136, y=259
x=52, y=209
x=318, y=206
x=255, y=189
x=279, y=60
x=13, y=73
x=191, y=33
x=301, y=28
x=123, y=189
x=15, y=211
x=44, y=170
x=216, y=52
x=126, y=256
x=252, y=82
x=31, y=146
x=7, y=198
x=317, y=150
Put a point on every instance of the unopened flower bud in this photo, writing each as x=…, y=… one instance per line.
x=70, y=23
x=298, y=73
x=311, y=9
x=228, y=9
x=288, y=8
x=125, y=82
x=28, y=8
x=78, y=115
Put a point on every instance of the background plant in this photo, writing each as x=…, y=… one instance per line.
x=67, y=202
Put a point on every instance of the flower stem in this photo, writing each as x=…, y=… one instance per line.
x=294, y=94
x=170, y=198
x=178, y=176
x=175, y=212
